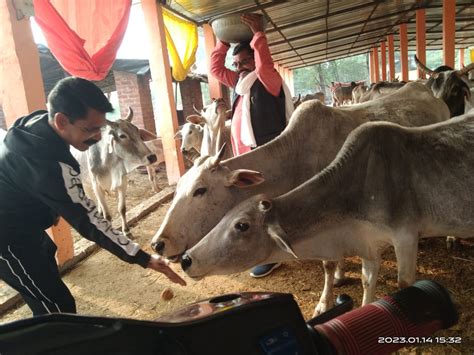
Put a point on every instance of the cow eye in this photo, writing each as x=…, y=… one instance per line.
x=122, y=136
x=199, y=191
x=241, y=226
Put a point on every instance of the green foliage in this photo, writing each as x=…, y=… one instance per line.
x=318, y=77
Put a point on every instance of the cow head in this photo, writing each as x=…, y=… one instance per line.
x=449, y=85
x=247, y=236
x=124, y=140
x=191, y=137
x=208, y=186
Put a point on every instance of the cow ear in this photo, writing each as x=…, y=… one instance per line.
x=146, y=135
x=243, y=178
x=196, y=119
x=178, y=135
x=110, y=143
x=279, y=236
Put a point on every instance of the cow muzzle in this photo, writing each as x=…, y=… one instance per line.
x=158, y=246
x=152, y=158
x=186, y=262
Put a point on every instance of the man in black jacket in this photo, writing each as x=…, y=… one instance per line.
x=40, y=181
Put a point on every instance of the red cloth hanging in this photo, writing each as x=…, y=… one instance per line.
x=85, y=35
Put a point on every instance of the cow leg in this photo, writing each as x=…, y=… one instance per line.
x=152, y=177
x=122, y=207
x=370, y=272
x=406, y=260
x=101, y=203
x=326, y=301
x=339, y=277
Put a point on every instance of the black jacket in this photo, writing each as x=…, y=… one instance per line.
x=267, y=112
x=40, y=181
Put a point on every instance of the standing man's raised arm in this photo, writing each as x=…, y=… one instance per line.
x=218, y=69
x=264, y=66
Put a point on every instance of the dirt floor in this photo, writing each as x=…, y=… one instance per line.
x=105, y=286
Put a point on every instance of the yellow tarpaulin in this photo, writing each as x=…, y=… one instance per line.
x=182, y=42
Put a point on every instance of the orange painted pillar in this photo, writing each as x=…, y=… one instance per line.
x=391, y=57
x=449, y=29
x=421, y=39
x=404, y=51
x=215, y=87
x=375, y=50
x=461, y=57
x=291, y=85
x=162, y=82
x=371, y=66
x=383, y=56
x=20, y=68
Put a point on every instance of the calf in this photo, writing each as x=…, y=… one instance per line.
x=121, y=150
x=387, y=186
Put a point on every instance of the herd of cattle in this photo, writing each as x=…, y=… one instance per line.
x=391, y=168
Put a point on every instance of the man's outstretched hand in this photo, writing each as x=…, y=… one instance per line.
x=159, y=264
x=254, y=21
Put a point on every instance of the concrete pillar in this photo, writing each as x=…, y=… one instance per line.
x=20, y=68
x=383, y=56
x=391, y=57
x=215, y=87
x=162, y=84
x=134, y=90
x=449, y=31
x=375, y=50
x=421, y=39
x=404, y=51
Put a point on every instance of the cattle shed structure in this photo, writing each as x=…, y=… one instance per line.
x=300, y=34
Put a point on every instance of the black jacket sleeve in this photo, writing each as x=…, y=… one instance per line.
x=59, y=186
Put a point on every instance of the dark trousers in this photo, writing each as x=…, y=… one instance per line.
x=33, y=272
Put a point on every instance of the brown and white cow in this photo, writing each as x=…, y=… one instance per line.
x=121, y=150
x=309, y=143
x=388, y=185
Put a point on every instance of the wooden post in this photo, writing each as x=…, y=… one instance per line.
x=371, y=67
x=162, y=82
x=20, y=68
x=449, y=29
x=391, y=57
x=461, y=57
x=375, y=50
x=383, y=55
x=404, y=51
x=421, y=39
x=215, y=87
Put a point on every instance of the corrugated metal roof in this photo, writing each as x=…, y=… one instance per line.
x=302, y=33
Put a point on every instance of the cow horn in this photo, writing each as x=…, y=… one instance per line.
x=215, y=160
x=465, y=70
x=196, y=110
x=423, y=67
x=130, y=115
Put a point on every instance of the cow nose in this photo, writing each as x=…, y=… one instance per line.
x=158, y=246
x=152, y=158
x=185, y=262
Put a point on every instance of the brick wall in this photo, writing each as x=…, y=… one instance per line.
x=134, y=90
x=190, y=95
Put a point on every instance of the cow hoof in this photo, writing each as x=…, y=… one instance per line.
x=339, y=282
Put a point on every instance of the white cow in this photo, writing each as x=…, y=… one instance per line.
x=121, y=150
x=191, y=135
x=388, y=185
x=3, y=133
x=308, y=144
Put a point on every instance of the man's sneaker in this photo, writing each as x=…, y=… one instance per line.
x=263, y=270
